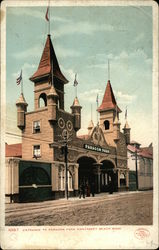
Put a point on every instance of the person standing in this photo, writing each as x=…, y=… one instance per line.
x=80, y=191
x=93, y=189
x=87, y=190
x=83, y=190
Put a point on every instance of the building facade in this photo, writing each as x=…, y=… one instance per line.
x=100, y=157
x=140, y=158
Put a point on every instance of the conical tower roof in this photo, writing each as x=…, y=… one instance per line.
x=52, y=91
x=47, y=59
x=21, y=100
x=109, y=101
x=76, y=102
x=91, y=125
x=116, y=121
x=127, y=125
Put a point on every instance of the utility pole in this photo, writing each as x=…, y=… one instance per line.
x=66, y=176
x=136, y=169
x=66, y=139
x=64, y=150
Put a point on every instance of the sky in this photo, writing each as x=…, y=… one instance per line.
x=84, y=38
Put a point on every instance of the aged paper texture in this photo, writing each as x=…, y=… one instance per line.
x=94, y=41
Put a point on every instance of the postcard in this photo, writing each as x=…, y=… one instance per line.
x=79, y=124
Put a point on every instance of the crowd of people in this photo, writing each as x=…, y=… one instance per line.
x=86, y=190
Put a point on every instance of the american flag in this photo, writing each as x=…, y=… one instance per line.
x=126, y=113
x=19, y=79
x=75, y=81
x=47, y=14
x=97, y=99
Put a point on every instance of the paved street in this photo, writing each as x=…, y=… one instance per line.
x=125, y=208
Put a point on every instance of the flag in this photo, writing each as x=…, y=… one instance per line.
x=75, y=81
x=126, y=113
x=47, y=14
x=97, y=98
x=19, y=79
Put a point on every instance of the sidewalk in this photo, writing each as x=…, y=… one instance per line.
x=102, y=195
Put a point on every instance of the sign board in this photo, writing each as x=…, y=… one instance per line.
x=96, y=149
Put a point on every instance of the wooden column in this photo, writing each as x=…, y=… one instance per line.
x=118, y=179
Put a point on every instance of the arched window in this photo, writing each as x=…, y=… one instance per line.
x=62, y=180
x=106, y=124
x=122, y=180
x=42, y=100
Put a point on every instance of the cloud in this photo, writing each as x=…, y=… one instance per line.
x=63, y=53
x=101, y=59
x=25, y=69
x=36, y=51
x=123, y=98
x=30, y=52
x=69, y=73
x=137, y=53
x=90, y=96
x=85, y=28
x=33, y=12
x=138, y=38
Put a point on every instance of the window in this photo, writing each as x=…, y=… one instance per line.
x=69, y=180
x=122, y=180
x=62, y=180
x=36, y=127
x=42, y=100
x=36, y=151
x=104, y=179
x=106, y=124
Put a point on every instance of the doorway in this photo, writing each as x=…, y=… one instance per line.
x=109, y=179
x=86, y=172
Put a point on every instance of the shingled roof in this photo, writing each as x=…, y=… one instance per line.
x=109, y=101
x=44, y=68
x=13, y=150
x=145, y=152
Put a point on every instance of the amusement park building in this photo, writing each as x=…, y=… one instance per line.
x=100, y=157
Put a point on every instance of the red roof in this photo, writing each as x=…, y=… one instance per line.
x=109, y=101
x=146, y=152
x=47, y=59
x=84, y=137
x=13, y=150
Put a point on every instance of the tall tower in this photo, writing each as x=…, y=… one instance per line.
x=76, y=111
x=52, y=99
x=48, y=72
x=21, y=110
x=41, y=124
x=116, y=126
x=108, y=111
x=126, y=131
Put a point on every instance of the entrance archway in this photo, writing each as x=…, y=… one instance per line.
x=86, y=172
x=109, y=178
x=34, y=182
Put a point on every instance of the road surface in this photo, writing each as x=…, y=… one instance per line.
x=125, y=208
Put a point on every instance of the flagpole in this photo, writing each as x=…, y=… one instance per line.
x=97, y=109
x=108, y=70
x=76, y=90
x=22, y=86
x=116, y=109
x=126, y=114
x=75, y=85
x=52, y=73
x=49, y=16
